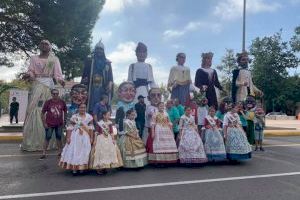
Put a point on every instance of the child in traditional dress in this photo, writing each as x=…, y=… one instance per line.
x=202, y=112
x=259, y=124
x=237, y=145
x=164, y=149
x=190, y=147
x=214, y=142
x=105, y=153
x=75, y=155
x=131, y=145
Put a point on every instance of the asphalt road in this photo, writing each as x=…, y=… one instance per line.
x=273, y=174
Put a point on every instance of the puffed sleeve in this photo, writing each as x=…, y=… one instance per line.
x=206, y=123
x=57, y=70
x=181, y=121
x=72, y=122
x=130, y=73
x=225, y=121
x=31, y=68
x=150, y=76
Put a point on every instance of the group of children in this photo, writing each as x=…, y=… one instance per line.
x=221, y=136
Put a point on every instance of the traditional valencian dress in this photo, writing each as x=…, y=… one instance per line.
x=141, y=75
x=190, y=147
x=105, y=153
x=214, y=142
x=75, y=156
x=179, y=81
x=237, y=146
x=149, y=113
x=132, y=147
x=162, y=148
x=43, y=70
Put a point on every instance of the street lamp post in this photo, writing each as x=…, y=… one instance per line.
x=244, y=26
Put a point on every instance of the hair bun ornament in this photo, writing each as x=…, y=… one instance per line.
x=141, y=47
x=207, y=55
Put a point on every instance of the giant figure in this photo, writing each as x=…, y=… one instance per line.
x=43, y=68
x=206, y=80
x=180, y=80
x=97, y=76
x=242, y=84
x=140, y=73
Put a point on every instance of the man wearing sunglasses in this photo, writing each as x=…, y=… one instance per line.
x=54, y=113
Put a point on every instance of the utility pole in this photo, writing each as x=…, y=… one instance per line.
x=244, y=27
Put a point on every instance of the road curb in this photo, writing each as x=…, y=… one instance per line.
x=274, y=133
x=11, y=138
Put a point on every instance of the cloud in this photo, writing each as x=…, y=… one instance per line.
x=124, y=55
x=169, y=34
x=192, y=26
x=102, y=35
x=20, y=64
x=232, y=9
x=112, y=6
x=294, y=2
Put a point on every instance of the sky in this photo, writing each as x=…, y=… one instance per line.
x=168, y=27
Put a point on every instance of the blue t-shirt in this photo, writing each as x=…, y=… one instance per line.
x=99, y=109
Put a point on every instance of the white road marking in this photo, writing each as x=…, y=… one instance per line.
x=30, y=195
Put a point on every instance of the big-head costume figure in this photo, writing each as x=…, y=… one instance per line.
x=206, y=79
x=126, y=95
x=79, y=95
x=140, y=73
x=242, y=84
x=97, y=76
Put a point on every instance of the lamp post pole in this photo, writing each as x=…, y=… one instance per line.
x=244, y=26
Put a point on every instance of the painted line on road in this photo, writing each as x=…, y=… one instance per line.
x=30, y=195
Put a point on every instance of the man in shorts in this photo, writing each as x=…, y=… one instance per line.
x=54, y=113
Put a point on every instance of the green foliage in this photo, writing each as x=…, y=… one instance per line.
x=272, y=58
x=65, y=23
x=164, y=91
x=295, y=40
x=228, y=64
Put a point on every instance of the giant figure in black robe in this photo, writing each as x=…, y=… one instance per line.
x=99, y=68
x=206, y=80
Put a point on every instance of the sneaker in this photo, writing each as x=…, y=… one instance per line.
x=74, y=173
x=256, y=148
x=262, y=149
x=42, y=157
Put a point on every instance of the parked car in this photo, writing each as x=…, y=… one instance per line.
x=276, y=115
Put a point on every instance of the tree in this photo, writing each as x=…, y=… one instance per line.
x=228, y=64
x=272, y=58
x=65, y=23
x=295, y=40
